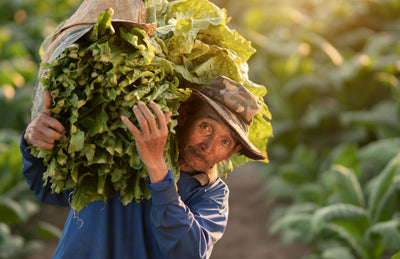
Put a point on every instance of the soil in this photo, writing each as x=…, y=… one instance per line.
x=246, y=236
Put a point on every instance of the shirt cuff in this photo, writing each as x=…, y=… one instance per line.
x=24, y=147
x=163, y=192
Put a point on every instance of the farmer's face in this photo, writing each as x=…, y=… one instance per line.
x=205, y=141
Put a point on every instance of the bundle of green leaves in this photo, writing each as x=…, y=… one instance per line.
x=102, y=75
x=92, y=83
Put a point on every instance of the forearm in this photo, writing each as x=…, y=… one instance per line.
x=33, y=169
x=181, y=236
x=184, y=232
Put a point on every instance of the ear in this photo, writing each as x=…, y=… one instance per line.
x=237, y=149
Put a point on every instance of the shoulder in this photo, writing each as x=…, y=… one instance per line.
x=218, y=186
x=191, y=191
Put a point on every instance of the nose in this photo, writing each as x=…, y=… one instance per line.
x=208, y=145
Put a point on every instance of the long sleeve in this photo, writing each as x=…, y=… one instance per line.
x=188, y=228
x=33, y=170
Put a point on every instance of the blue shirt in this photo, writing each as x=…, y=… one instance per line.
x=179, y=224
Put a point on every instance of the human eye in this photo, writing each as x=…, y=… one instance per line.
x=226, y=142
x=205, y=128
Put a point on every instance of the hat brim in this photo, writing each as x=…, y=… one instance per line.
x=149, y=28
x=248, y=149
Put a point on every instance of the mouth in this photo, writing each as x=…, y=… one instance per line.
x=195, y=153
x=199, y=157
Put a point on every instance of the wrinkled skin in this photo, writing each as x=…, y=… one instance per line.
x=151, y=140
x=205, y=140
x=44, y=131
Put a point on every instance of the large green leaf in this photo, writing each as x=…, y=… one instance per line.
x=10, y=211
x=298, y=221
x=47, y=230
x=336, y=212
x=196, y=9
x=381, y=186
x=387, y=233
x=346, y=155
x=339, y=233
x=380, y=152
x=17, y=211
x=388, y=205
x=347, y=186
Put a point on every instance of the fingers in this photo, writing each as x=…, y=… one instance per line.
x=39, y=140
x=51, y=125
x=144, y=117
x=48, y=129
x=161, y=117
x=49, y=122
x=44, y=131
x=47, y=102
x=167, y=117
x=132, y=128
x=149, y=123
x=40, y=132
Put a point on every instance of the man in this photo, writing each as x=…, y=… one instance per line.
x=183, y=222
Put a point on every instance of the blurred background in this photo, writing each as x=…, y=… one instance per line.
x=331, y=189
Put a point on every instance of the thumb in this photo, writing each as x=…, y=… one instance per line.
x=47, y=102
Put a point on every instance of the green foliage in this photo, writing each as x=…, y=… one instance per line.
x=347, y=187
x=361, y=217
x=332, y=71
x=103, y=75
x=329, y=80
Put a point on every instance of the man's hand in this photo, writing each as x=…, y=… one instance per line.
x=44, y=130
x=150, y=142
